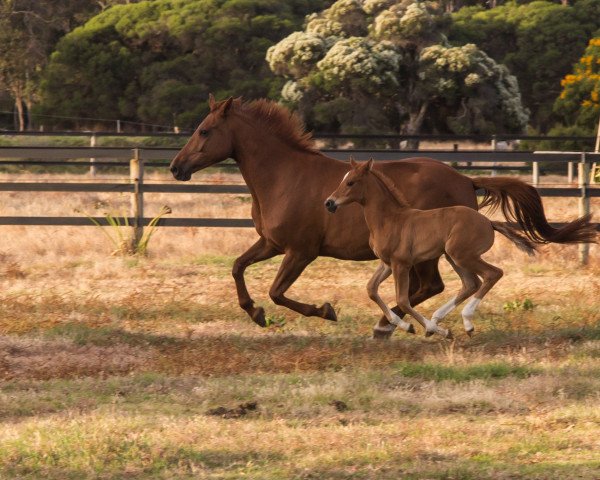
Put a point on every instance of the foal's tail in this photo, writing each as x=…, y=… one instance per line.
x=522, y=203
x=521, y=241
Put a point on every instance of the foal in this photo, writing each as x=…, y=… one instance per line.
x=402, y=236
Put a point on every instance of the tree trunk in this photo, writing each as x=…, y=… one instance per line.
x=413, y=126
x=20, y=113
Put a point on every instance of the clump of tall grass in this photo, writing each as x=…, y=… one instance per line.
x=121, y=234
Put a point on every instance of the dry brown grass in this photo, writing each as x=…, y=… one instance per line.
x=109, y=364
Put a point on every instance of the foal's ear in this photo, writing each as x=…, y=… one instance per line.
x=353, y=163
x=211, y=102
x=237, y=101
x=369, y=165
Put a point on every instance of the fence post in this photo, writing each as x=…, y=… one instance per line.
x=136, y=174
x=535, y=173
x=93, y=160
x=570, y=172
x=494, y=147
x=584, y=203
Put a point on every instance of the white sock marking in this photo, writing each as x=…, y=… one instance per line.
x=444, y=310
x=469, y=312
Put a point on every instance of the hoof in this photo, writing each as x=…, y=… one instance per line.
x=470, y=332
x=328, y=312
x=259, y=317
x=449, y=335
x=429, y=333
x=411, y=329
x=379, y=334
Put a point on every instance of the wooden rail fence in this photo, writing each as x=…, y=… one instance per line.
x=138, y=159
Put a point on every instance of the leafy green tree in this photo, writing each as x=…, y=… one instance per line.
x=157, y=61
x=578, y=105
x=29, y=30
x=384, y=65
x=538, y=41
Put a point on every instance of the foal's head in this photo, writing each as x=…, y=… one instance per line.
x=352, y=188
x=212, y=141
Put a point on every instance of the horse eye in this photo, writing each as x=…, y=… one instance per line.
x=204, y=133
x=350, y=184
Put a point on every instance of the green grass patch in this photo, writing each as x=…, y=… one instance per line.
x=439, y=373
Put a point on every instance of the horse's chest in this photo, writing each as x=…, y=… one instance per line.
x=378, y=247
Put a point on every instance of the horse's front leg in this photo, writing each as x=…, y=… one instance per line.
x=291, y=268
x=258, y=252
x=401, y=277
x=425, y=282
x=384, y=271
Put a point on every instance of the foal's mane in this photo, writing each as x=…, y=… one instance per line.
x=389, y=185
x=283, y=123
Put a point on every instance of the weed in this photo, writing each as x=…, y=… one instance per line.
x=515, y=305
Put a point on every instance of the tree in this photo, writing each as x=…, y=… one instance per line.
x=29, y=29
x=579, y=102
x=157, y=61
x=385, y=65
x=537, y=41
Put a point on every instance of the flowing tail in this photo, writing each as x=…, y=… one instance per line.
x=521, y=203
x=521, y=241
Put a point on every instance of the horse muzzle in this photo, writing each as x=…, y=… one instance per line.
x=330, y=205
x=180, y=173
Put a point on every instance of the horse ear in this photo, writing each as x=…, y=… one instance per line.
x=211, y=102
x=227, y=105
x=237, y=102
x=352, y=162
x=369, y=165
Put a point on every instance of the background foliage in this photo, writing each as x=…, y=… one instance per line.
x=157, y=61
x=384, y=65
x=154, y=61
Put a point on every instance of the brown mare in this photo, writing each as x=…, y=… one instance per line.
x=289, y=179
x=402, y=236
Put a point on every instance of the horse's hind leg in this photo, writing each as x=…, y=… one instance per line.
x=292, y=266
x=470, y=284
x=384, y=271
x=258, y=252
x=425, y=282
x=489, y=275
x=401, y=276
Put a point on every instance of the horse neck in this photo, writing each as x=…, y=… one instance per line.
x=259, y=154
x=381, y=199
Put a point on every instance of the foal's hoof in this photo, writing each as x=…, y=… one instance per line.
x=411, y=328
x=449, y=335
x=470, y=332
x=429, y=333
x=259, y=317
x=328, y=313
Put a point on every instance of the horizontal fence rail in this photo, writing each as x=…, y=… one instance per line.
x=137, y=159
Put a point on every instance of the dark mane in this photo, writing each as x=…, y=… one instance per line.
x=389, y=185
x=283, y=123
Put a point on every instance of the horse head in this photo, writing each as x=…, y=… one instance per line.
x=352, y=187
x=212, y=142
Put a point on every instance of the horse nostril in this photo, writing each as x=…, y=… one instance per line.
x=328, y=203
x=174, y=170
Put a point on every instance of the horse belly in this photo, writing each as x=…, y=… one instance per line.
x=346, y=235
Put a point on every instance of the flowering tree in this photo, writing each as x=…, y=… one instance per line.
x=362, y=65
x=579, y=101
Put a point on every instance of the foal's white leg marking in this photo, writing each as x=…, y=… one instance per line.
x=469, y=312
x=444, y=310
x=396, y=320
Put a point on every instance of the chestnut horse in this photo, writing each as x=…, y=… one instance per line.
x=289, y=179
x=402, y=236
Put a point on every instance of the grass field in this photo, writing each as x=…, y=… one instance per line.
x=123, y=367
